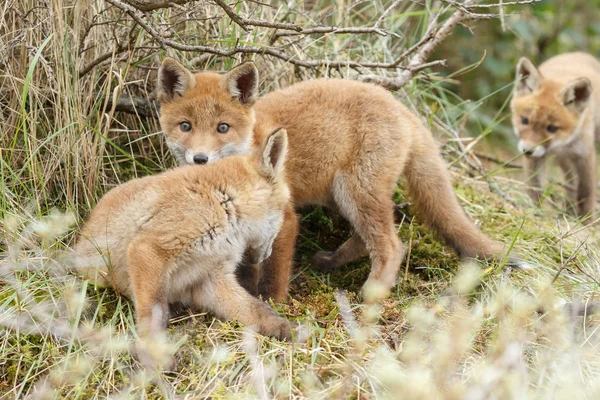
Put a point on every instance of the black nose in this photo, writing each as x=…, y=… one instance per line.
x=527, y=152
x=200, y=158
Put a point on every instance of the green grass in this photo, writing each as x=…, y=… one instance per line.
x=448, y=330
x=438, y=332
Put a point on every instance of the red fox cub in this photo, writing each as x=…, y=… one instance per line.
x=177, y=237
x=349, y=144
x=554, y=113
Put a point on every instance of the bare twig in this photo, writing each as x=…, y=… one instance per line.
x=386, y=12
x=568, y=261
x=395, y=83
x=245, y=22
x=151, y=5
x=420, y=51
x=166, y=42
x=121, y=47
x=234, y=17
x=510, y=3
x=336, y=30
x=134, y=105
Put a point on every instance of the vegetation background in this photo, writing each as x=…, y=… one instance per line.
x=75, y=120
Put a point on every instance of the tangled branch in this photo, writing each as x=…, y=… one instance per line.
x=434, y=37
x=165, y=42
x=406, y=64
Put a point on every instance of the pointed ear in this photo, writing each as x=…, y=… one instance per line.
x=242, y=83
x=274, y=153
x=576, y=94
x=173, y=80
x=528, y=78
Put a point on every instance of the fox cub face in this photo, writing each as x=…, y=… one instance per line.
x=546, y=114
x=207, y=116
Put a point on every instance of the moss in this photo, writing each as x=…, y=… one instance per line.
x=322, y=229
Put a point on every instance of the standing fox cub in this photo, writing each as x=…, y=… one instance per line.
x=177, y=237
x=349, y=144
x=554, y=112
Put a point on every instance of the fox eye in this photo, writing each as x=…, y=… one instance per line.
x=185, y=126
x=524, y=120
x=552, y=128
x=223, y=128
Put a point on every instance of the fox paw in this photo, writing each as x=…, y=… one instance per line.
x=322, y=261
x=285, y=330
x=277, y=327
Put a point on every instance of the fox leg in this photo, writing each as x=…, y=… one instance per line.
x=586, y=188
x=351, y=250
x=147, y=274
x=371, y=212
x=277, y=268
x=533, y=171
x=571, y=179
x=223, y=296
x=248, y=275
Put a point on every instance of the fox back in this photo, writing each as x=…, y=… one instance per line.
x=349, y=142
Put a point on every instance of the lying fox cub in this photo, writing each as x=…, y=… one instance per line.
x=349, y=144
x=177, y=237
x=554, y=112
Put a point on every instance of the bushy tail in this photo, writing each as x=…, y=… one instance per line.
x=432, y=194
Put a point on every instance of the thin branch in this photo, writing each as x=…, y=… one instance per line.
x=165, y=42
x=151, y=5
x=135, y=105
x=419, y=52
x=336, y=30
x=504, y=4
x=568, y=261
x=121, y=47
x=395, y=83
x=386, y=12
x=295, y=29
x=233, y=16
x=245, y=22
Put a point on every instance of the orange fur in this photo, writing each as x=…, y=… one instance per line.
x=177, y=237
x=554, y=113
x=349, y=144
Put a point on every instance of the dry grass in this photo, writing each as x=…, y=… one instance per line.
x=447, y=331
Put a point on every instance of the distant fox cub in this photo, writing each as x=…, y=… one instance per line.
x=554, y=111
x=349, y=144
x=177, y=237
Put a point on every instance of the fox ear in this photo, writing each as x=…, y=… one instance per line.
x=173, y=80
x=528, y=78
x=274, y=152
x=242, y=83
x=576, y=94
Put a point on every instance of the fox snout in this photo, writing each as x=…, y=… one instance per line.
x=187, y=156
x=200, y=158
x=531, y=150
x=196, y=157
